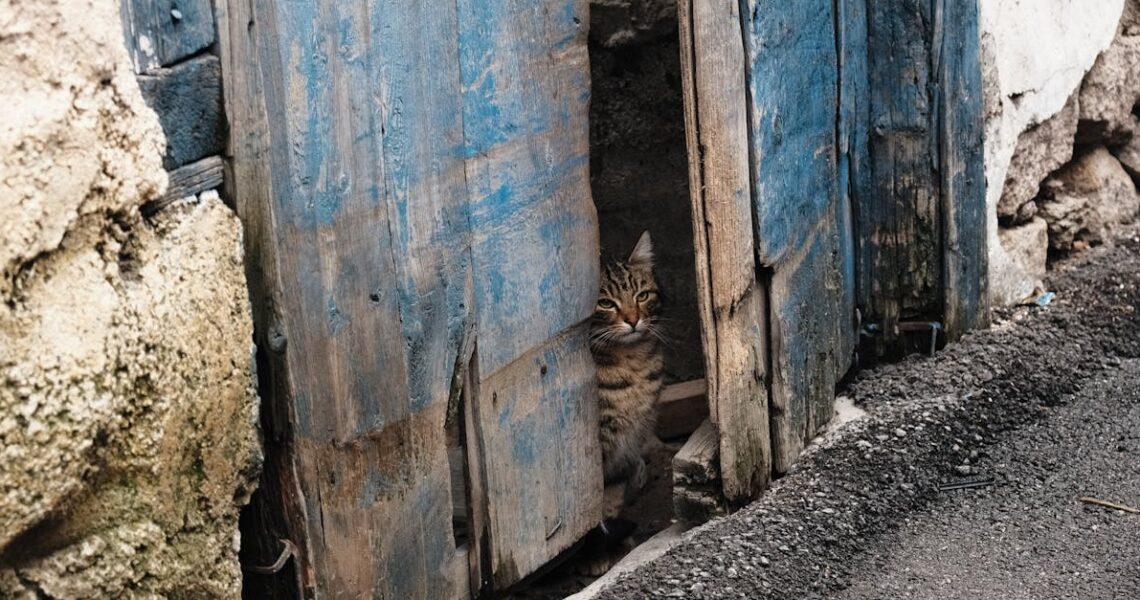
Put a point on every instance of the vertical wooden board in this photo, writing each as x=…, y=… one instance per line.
x=899, y=215
x=347, y=148
x=277, y=508
x=854, y=124
x=961, y=130
x=525, y=75
x=538, y=441
x=731, y=301
x=812, y=340
x=792, y=70
x=163, y=32
x=801, y=218
x=525, y=83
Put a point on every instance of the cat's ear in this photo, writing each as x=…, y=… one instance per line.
x=642, y=254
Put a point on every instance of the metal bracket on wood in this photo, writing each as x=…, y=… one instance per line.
x=288, y=550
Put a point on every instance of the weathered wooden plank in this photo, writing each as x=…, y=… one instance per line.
x=188, y=100
x=799, y=214
x=854, y=122
x=538, y=419
x=163, y=32
x=525, y=90
x=348, y=171
x=920, y=220
x=276, y=509
x=900, y=218
x=526, y=84
x=957, y=64
x=189, y=180
x=695, y=463
x=731, y=301
x=681, y=408
x=696, y=477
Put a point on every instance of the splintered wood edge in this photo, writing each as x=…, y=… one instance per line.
x=696, y=463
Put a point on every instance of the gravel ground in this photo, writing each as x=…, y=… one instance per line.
x=1045, y=403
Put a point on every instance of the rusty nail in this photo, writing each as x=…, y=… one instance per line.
x=288, y=550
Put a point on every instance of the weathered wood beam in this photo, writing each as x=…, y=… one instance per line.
x=681, y=408
x=696, y=477
x=731, y=301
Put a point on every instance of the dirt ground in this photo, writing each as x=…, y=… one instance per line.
x=1044, y=403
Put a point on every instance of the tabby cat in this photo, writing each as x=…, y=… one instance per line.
x=625, y=339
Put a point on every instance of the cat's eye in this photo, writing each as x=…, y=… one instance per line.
x=606, y=303
x=643, y=296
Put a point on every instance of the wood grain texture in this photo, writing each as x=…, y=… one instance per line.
x=920, y=213
x=682, y=408
x=348, y=171
x=416, y=178
x=961, y=130
x=802, y=237
x=900, y=217
x=730, y=299
x=525, y=77
x=854, y=172
x=187, y=181
x=525, y=86
x=163, y=32
x=696, y=477
x=188, y=100
x=538, y=441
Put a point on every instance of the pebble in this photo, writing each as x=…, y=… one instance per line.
x=900, y=432
x=964, y=469
x=764, y=561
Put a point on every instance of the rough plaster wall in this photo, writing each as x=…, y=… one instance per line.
x=1035, y=55
x=127, y=408
x=638, y=161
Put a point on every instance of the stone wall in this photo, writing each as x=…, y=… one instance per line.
x=127, y=406
x=1062, y=81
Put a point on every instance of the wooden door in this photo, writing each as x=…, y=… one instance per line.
x=420, y=242
x=836, y=169
x=802, y=221
x=524, y=71
x=915, y=124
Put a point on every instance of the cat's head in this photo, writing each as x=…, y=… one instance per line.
x=628, y=300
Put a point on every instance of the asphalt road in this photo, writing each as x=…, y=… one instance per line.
x=1030, y=538
x=1046, y=404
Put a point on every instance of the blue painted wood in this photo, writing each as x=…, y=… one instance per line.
x=347, y=128
x=526, y=93
x=854, y=123
x=413, y=180
x=525, y=83
x=793, y=85
x=961, y=131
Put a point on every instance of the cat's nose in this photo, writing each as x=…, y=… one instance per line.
x=632, y=321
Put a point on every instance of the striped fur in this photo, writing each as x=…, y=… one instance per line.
x=626, y=343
